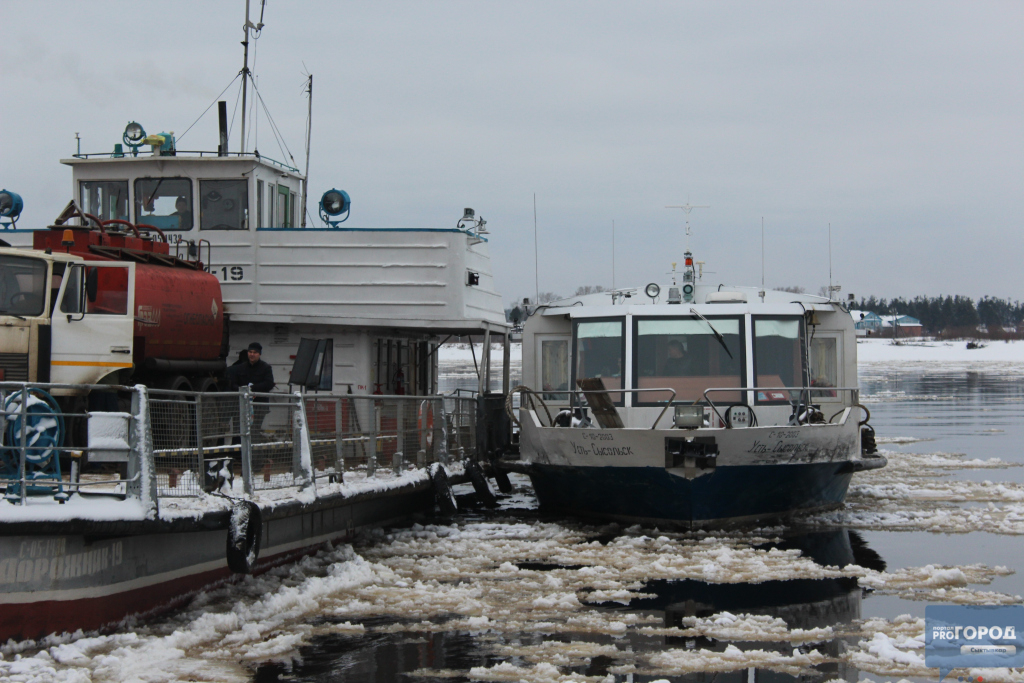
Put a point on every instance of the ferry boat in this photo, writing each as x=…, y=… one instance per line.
x=103, y=367
x=691, y=405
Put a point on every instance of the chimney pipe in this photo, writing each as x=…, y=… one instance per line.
x=222, y=114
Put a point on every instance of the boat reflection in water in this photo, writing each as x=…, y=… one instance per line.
x=383, y=657
x=801, y=603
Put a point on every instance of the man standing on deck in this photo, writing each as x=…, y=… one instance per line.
x=255, y=373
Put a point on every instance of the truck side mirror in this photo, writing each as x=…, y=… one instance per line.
x=92, y=284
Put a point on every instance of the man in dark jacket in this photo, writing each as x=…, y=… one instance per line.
x=255, y=373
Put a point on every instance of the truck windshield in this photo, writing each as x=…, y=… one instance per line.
x=22, y=286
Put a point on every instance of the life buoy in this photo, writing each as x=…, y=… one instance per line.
x=443, y=490
x=425, y=420
x=244, y=532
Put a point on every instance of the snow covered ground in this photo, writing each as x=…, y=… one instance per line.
x=944, y=353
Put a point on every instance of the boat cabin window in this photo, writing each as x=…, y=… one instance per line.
x=778, y=360
x=686, y=355
x=164, y=202
x=554, y=369
x=224, y=204
x=105, y=199
x=824, y=362
x=600, y=352
x=22, y=286
x=282, y=206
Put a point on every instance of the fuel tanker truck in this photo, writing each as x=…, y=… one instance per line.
x=109, y=302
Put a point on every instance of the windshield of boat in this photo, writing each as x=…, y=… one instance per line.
x=687, y=355
x=22, y=286
x=164, y=202
x=600, y=352
x=778, y=357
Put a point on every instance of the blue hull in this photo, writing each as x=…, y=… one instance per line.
x=727, y=496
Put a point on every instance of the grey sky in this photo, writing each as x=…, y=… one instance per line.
x=902, y=124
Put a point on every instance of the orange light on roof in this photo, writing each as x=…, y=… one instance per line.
x=68, y=240
x=689, y=262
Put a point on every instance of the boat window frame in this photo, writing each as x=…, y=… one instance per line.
x=129, y=198
x=635, y=380
x=247, y=219
x=137, y=208
x=574, y=357
x=803, y=356
x=837, y=336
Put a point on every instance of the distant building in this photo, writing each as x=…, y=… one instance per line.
x=867, y=324
x=901, y=326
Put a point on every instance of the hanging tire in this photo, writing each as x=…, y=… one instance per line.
x=244, y=532
x=443, y=490
x=480, y=485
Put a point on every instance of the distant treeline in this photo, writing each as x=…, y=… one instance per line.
x=954, y=316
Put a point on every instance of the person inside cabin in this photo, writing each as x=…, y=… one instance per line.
x=676, y=364
x=183, y=214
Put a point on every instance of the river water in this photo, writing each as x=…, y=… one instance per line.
x=511, y=594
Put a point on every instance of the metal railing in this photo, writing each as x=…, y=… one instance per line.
x=162, y=443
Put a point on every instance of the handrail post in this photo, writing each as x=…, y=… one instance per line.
x=142, y=468
x=199, y=431
x=24, y=438
x=302, y=438
x=339, y=429
x=245, y=418
x=371, y=460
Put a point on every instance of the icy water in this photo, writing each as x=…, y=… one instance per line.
x=511, y=594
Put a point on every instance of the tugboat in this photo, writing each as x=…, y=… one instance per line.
x=708, y=406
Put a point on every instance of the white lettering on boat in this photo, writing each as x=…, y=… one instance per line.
x=38, y=560
x=594, y=449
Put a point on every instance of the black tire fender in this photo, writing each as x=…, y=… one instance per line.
x=483, y=490
x=501, y=478
x=244, y=533
x=443, y=490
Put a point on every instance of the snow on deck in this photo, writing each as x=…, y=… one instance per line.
x=99, y=508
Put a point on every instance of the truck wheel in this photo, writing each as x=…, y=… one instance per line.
x=206, y=384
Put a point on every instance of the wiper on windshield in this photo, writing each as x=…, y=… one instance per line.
x=718, y=335
x=2, y=312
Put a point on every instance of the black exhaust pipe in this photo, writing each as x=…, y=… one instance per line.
x=222, y=114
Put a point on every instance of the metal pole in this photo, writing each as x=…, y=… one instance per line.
x=339, y=429
x=485, y=364
x=199, y=432
x=245, y=70
x=245, y=436
x=24, y=437
x=309, y=130
x=506, y=362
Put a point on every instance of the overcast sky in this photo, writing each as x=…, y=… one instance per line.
x=901, y=124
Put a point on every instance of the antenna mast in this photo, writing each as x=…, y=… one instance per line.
x=245, y=68
x=687, y=208
x=309, y=131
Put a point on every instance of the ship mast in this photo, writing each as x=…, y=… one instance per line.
x=245, y=69
x=687, y=208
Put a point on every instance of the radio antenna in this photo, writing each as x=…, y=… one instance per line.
x=536, y=269
x=687, y=208
x=613, y=254
x=762, y=258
